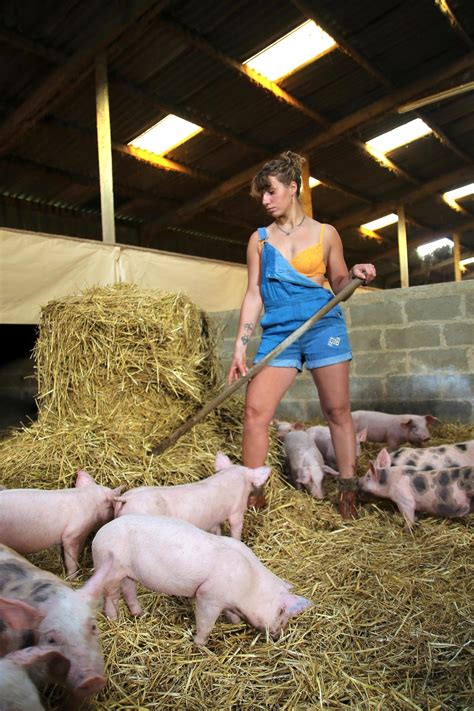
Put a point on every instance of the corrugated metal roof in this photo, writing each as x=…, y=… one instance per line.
x=169, y=62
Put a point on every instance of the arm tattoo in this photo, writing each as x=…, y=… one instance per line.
x=248, y=328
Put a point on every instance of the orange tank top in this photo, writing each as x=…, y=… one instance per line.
x=310, y=261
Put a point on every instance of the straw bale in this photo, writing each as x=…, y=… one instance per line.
x=392, y=615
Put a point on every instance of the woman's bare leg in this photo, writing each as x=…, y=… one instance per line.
x=263, y=396
x=332, y=382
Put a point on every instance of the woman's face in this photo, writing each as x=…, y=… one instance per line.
x=277, y=198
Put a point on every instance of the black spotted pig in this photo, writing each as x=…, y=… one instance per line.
x=18, y=625
x=174, y=557
x=68, y=625
x=17, y=691
x=393, y=429
x=34, y=519
x=442, y=492
x=446, y=456
x=206, y=503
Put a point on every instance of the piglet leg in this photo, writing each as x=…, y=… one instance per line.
x=129, y=591
x=73, y=546
x=206, y=613
x=236, y=522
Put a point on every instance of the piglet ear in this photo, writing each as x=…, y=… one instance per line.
x=430, y=419
x=58, y=665
x=222, y=461
x=259, y=475
x=299, y=426
x=93, y=588
x=329, y=470
x=383, y=459
x=294, y=604
x=406, y=422
x=18, y=614
x=83, y=478
x=362, y=435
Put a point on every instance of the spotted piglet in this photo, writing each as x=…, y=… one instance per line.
x=66, y=622
x=445, y=456
x=442, y=492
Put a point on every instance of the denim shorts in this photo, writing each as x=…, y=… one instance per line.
x=325, y=343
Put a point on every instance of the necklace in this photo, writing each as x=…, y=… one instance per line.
x=288, y=232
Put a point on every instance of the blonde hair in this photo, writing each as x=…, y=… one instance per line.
x=286, y=168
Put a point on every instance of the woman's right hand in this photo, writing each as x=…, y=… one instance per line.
x=238, y=367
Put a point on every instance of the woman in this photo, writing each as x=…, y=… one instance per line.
x=286, y=264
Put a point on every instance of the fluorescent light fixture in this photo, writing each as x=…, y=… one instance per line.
x=399, y=136
x=430, y=247
x=165, y=135
x=300, y=46
x=313, y=182
x=468, y=260
x=381, y=222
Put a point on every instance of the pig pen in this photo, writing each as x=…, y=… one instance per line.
x=119, y=369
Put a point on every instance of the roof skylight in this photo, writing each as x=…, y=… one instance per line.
x=166, y=134
x=300, y=46
x=380, y=222
x=468, y=260
x=400, y=136
x=452, y=196
x=313, y=182
x=426, y=249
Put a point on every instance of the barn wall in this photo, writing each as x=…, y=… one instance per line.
x=413, y=352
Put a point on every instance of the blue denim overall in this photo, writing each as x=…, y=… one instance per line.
x=289, y=299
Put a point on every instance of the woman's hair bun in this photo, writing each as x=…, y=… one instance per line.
x=286, y=168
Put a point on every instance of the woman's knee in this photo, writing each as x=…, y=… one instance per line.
x=338, y=414
x=256, y=417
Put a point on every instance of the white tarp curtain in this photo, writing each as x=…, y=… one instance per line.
x=35, y=268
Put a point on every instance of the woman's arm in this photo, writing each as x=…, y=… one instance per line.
x=249, y=312
x=337, y=272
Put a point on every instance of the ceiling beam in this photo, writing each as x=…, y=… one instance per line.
x=323, y=19
x=387, y=103
x=198, y=42
x=329, y=135
x=454, y=22
x=440, y=183
x=66, y=77
x=186, y=113
x=443, y=264
x=428, y=236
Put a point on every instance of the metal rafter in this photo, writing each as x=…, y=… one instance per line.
x=327, y=136
x=454, y=22
x=66, y=77
x=349, y=49
x=186, y=113
x=273, y=89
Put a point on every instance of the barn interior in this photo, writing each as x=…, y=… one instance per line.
x=81, y=82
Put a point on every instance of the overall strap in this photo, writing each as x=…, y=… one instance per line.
x=262, y=234
x=321, y=233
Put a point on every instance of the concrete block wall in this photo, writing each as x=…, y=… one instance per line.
x=413, y=352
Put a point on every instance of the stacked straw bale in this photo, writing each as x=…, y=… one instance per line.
x=119, y=369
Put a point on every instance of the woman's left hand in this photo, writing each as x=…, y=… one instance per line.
x=363, y=271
